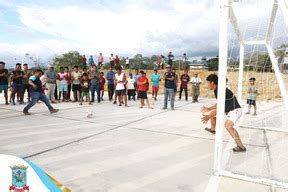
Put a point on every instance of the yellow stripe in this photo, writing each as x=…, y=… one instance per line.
x=63, y=188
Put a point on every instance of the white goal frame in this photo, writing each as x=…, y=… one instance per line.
x=227, y=15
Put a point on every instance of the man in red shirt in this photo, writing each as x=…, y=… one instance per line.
x=84, y=61
x=184, y=81
x=142, y=89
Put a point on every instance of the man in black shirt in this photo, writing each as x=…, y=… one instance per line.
x=17, y=85
x=36, y=93
x=169, y=78
x=170, y=58
x=232, y=110
x=4, y=81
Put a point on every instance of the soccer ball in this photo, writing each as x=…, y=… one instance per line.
x=89, y=114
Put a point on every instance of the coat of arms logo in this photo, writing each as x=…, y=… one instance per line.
x=19, y=179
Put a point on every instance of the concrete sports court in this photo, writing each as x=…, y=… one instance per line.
x=129, y=149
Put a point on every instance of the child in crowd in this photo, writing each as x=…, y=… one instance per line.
x=142, y=89
x=85, y=84
x=63, y=85
x=131, y=91
x=252, y=94
x=76, y=87
x=155, y=78
x=102, y=84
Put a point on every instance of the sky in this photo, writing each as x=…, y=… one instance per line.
x=124, y=27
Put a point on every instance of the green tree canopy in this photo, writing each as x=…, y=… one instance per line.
x=68, y=59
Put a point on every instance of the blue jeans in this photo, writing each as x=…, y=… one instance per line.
x=35, y=97
x=170, y=93
x=95, y=87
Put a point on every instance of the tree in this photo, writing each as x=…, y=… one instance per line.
x=68, y=59
x=213, y=64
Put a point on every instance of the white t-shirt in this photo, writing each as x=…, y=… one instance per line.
x=119, y=80
x=62, y=79
x=196, y=80
x=127, y=61
x=130, y=84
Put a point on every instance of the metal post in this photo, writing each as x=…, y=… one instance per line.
x=278, y=74
x=223, y=55
x=241, y=70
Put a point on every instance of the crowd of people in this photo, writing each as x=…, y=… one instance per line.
x=87, y=85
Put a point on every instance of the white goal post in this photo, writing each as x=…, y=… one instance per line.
x=227, y=15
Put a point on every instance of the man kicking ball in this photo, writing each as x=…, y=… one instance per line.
x=232, y=110
x=36, y=93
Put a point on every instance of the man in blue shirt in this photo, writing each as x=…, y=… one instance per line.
x=110, y=83
x=50, y=76
x=169, y=78
x=36, y=93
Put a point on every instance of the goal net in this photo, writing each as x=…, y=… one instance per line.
x=253, y=42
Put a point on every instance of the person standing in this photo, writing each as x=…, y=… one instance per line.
x=117, y=62
x=69, y=82
x=85, y=84
x=76, y=87
x=185, y=61
x=111, y=59
x=196, y=81
x=17, y=85
x=102, y=85
x=110, y=83
x=170, y=58
x=50, y=76
x=127, y=63
x=131, y=87
x=120, y=79
x=155, y=78
x=142, y=89
x=169, y=78
x=4, y=74
x=100, y=60
x=91, y=61
x=26, y=75
x=94, y=77
x=63, y=85
x=158, y=62
x=185, y=78
x=84, y=61
x=36, y=93
x=232, y=111
x=252, y=95
x=136, y=76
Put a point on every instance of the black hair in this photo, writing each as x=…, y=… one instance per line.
x=38, y=70
x=102, y=73
x=212, y=78
x=252, y=79
x=75, y=66
x=142, y=72
x=61, y=68
x=66, y=67
x=18, y=64
x=25, y=64
x=85, y=74
x=2, y=63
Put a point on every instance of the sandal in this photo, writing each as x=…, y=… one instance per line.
x=239, y=149
x=210, y=130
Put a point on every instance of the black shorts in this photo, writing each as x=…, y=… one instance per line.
x=251, y=102
x=120, y=92
x=76, y=87
x=142, y=94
